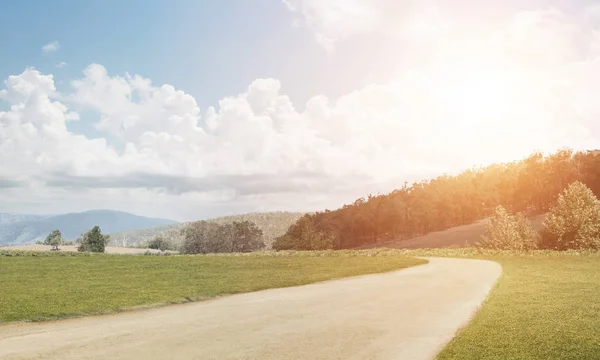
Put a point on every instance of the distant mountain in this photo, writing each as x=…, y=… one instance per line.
x=7, y=218
x=17, y=229
x=273, y=224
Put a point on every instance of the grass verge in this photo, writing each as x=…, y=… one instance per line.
x=51, y=287
x=543, y=307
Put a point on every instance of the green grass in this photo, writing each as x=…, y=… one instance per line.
x=543, y=307
x=51, y=287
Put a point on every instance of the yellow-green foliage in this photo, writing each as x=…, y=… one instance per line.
x=507, y=232
x=574, y=222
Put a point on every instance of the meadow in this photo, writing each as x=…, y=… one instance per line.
x=51, y=285
x=545, y=306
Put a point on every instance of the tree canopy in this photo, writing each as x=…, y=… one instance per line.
x=54, y=239
x=204, y=237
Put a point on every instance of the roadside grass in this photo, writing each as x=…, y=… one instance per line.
x=39, y=287
x=543, y=307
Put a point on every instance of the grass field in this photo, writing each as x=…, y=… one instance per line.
x=543, y=307
x=50, y=287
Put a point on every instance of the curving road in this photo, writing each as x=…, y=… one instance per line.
x=407, y=314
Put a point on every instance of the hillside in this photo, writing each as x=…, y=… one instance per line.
x=530, y=185
x=18, y=229
x=459, y=236
x=272, y=224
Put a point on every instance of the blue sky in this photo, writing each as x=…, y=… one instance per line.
x=281, y=104
x=209, y=49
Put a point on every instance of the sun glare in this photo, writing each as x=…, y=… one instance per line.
x=472, y=90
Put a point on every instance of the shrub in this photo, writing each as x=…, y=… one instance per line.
x=507, y=232
x=160, y=243
x=574, y=221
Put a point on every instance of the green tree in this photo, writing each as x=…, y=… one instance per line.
x=160, y=243
x=574, y=221
x=506, y=232
x=304, y=236
x=204, y=237
x=54, y=239
x=245, y=237
x=93, y=240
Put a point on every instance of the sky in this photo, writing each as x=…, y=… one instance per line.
x=194, y=109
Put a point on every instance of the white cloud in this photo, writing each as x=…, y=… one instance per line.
x=51, y=47
x=484, y=100
x=334, y=20
x=61, y=64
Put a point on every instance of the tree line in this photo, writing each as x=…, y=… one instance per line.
x=90, y=241
x=531, y=185
x=204, y=237
x=200, y=237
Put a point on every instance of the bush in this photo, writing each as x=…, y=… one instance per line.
x=574, y=221
x=160, y=243
x=506, y=232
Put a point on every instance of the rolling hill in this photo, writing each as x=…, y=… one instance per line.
x=18, y=229
x=273, y=224
x=459, y=236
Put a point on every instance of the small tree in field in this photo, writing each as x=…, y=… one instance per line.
x=574, y=221
x=93, y=240
x=507, y=232
x=54, y=239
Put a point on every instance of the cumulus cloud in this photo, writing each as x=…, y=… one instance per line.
x=51, y=47
x=258, y=149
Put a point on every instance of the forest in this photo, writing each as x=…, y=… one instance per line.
x=530, y=185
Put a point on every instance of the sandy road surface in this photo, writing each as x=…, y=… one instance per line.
x=407, y=314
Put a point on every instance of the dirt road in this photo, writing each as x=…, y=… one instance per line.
x=407, y=314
